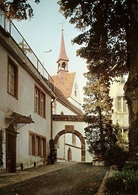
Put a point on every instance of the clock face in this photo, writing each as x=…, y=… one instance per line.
x=75, y=86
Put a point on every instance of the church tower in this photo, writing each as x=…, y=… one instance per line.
x=62, y=59
x=64, y=80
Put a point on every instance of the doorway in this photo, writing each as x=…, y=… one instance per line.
x=11, y=149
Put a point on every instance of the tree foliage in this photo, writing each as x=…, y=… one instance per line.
x=108, y=39
x=100, y=133
x=103, y=32
x=17, y=9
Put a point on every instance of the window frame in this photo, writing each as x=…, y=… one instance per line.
x=39, y=105
x=122, y=108
x=15, y=79
x=35, y=145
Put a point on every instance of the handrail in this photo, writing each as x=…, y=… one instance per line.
x=9, y=27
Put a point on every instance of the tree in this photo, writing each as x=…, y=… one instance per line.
x=109, y=42
x=17, y=9
x=100, y=133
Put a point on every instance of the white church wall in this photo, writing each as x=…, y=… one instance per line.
x=60, y=125
x=79, y=126
x=61, y=149
x=75, y=95
x=75, y=153
x=60, y=109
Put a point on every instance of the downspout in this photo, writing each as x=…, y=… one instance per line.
x=52, y=117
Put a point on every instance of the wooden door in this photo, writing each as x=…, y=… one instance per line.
x=11, y=150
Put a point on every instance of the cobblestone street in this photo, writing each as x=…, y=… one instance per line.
x=56, y=179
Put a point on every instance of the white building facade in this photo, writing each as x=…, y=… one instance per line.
x=25, y=104
x=120, y=108
x=68, y=123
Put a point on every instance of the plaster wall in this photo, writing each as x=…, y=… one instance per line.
x=62, y=109
x=60, y=125
x=61, y=149
x=78, y=126
x=75, y=153
x=24, y=105
x=116, y=91
x=75, y=95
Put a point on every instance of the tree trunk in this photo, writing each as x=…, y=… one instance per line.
x=131, y=88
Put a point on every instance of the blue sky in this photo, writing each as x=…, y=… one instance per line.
x=43, y=32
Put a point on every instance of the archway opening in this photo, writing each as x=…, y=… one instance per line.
x=79, y=135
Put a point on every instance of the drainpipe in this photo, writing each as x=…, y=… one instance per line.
x=51, y=118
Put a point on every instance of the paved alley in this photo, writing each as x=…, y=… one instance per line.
x=57, y=179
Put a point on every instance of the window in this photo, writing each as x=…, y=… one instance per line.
x=63, y=66
x=43, y=147
x=42, y=104
x=73, y=139
x=122, y=80
x=75, y=91
x=12, y=78
x=121, y=104
x=36, y=100
x=39, y=105
x=31, y=144
x=37, y=145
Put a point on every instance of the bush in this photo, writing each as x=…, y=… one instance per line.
x=116, y=156
x=131, y=166
x=123, y=183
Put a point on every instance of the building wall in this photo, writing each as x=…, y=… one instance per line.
x=120, y=109
x=65, y=141
x=24, y=105
x=75, y=95
x=61, y=109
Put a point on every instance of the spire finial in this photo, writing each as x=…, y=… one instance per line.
x=62, y=23
x=63, y=59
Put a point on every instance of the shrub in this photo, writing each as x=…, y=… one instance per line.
x=131, y=166
x=116, y=156
x=123, y=183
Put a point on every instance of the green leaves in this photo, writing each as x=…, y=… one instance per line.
x=103, y=32
x=17, y=9
x=125, y=182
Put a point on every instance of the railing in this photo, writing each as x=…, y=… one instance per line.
x=9, y=27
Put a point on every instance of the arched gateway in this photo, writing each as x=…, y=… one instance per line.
x=78, y=134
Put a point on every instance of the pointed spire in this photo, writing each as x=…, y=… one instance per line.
x=62, y=54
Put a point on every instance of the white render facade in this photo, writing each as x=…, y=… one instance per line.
x=68, y=133
x=120, y=109
x=25, y=107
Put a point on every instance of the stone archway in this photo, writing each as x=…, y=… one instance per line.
x=78, y=134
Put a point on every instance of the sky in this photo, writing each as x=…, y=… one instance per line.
x=43, y=33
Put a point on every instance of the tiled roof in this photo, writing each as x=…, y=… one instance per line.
x=64, y=83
